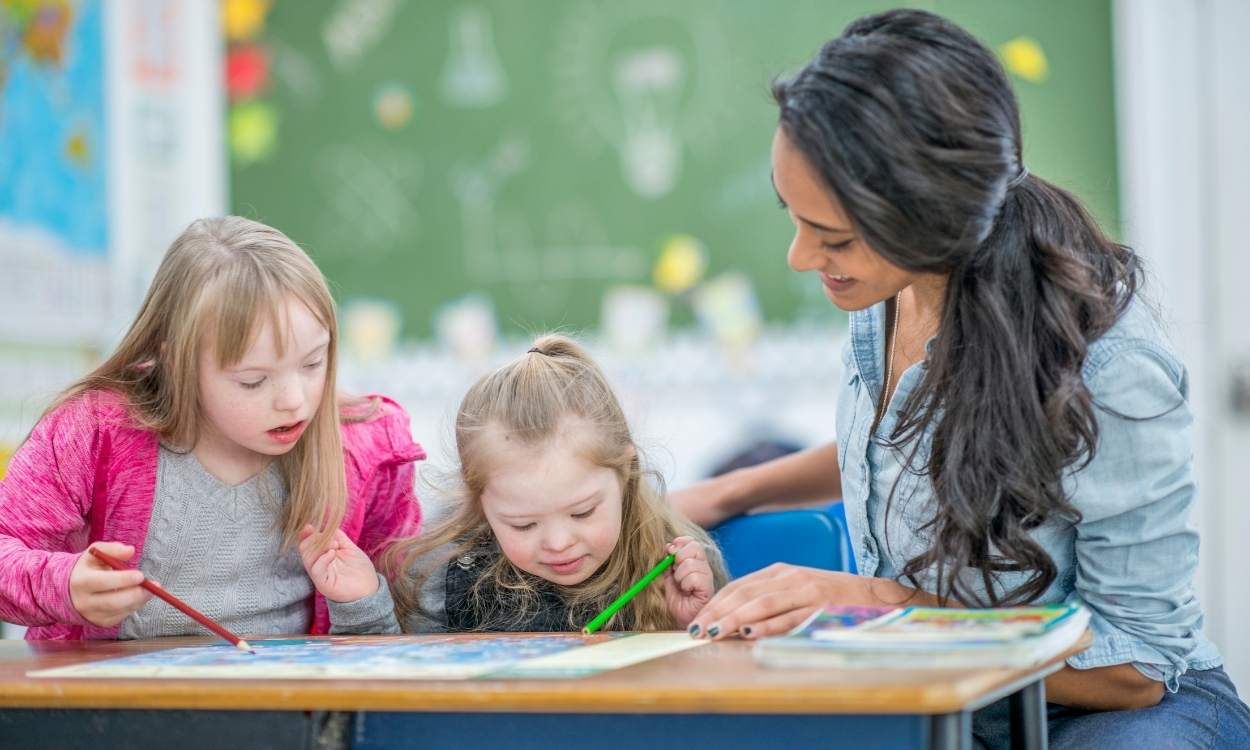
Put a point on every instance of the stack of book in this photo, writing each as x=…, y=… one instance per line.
x=924, y=637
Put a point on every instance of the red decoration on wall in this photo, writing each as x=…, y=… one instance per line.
x=247, y=71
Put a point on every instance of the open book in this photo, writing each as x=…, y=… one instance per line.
x=925, y=637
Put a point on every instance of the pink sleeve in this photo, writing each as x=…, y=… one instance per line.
x=44, y=505
x=393, y=510
x=391, y=507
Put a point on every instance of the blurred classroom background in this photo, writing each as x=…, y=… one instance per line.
x=468, y=173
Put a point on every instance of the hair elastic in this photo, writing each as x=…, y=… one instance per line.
x=1019, y=178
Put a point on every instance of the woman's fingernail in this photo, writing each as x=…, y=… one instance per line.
x=713, y=631
x=746, y=631
x=693, y=629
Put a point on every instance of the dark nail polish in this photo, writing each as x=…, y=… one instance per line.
x=713, y=631
x=693, y=629
x=746, y=631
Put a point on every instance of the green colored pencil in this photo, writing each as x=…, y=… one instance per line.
x=625, y=598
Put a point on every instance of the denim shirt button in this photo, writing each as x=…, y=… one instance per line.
x=870, y=546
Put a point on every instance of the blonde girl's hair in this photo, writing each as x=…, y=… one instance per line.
x=216, y=283
x=531, y=400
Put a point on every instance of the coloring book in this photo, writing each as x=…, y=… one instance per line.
x=399, y=658
x=920, y=637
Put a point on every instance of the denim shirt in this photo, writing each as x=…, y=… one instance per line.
x=1131, y=558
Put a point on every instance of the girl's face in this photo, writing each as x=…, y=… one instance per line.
x=853, y=275
x=258, y=408
x=555, y=514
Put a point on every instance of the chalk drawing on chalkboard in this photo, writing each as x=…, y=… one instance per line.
x=502, y=248
x=355, y=28
x=472, y=75
x=476, y=188
x=574, y=246
x=368, y=196
x=649, y=84
x=296, y=72
x=644, y=80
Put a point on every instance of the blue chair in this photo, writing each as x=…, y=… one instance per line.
x=812, y=537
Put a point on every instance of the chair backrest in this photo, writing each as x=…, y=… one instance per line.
x=812, y=537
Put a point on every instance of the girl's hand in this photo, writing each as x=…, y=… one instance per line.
x=104, y=596
x=774, y=600
x=688, y=582
x=343, y=572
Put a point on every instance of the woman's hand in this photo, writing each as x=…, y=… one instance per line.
x=104, y=596
x=774, y=600
x=342, y=572
x=688, y=582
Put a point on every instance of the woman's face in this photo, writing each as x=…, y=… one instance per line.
x=853, y=275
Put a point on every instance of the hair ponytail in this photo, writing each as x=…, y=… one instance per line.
x=1003, y=393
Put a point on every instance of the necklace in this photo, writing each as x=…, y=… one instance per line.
x=889, y=361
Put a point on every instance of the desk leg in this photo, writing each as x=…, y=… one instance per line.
x=331, y=730
x=951, y=731
x=1028, y=717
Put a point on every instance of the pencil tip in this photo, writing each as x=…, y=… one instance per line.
x=244, y=646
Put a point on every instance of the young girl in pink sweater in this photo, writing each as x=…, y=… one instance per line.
x=212, y=451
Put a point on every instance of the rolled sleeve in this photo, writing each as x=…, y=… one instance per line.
x=1135, y=553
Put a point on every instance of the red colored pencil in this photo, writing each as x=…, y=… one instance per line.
x=182, y=606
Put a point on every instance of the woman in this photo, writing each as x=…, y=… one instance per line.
x=1012, y=427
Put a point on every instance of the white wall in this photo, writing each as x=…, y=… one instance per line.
x=167, y=160
x=1183, y=100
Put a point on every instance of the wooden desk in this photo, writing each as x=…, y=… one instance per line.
x=712, y=696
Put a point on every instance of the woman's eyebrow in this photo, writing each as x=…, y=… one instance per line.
x=809, y=222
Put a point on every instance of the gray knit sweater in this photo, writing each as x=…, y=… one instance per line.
x=218, y=548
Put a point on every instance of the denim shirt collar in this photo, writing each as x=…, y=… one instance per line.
x=868, y=346
x=867, y=340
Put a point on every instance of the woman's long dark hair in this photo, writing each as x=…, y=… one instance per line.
x=912, y=125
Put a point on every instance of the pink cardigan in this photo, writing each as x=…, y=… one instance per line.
x=88, y=473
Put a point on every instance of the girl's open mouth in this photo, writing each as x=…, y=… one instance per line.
x=288, y=433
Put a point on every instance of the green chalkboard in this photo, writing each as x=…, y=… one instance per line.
x=541, y=151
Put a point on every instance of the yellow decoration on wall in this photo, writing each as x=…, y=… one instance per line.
x=393, y=106
x=1024, y=57
x=253, y=131
x=243, y=19
x=681, y=265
